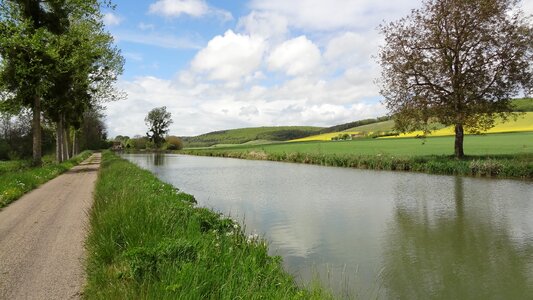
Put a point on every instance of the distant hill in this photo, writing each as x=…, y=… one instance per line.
x=261, y=135
x=245, y=135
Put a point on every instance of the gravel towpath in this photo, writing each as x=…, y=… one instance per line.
x=42, y=237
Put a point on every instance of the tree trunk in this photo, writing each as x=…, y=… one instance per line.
x=68, y=140
x=75, y=150
x=37, y=147
x=63, y=139
x=59, y=141
x=459, y=138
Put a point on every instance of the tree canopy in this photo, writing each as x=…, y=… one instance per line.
x=457, y=62
x=56, y=57
x=158, y=120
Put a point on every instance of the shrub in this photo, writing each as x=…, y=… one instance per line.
x=174, y=143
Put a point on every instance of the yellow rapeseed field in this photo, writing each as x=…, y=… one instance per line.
x=522, y=124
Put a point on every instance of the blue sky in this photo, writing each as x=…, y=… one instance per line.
x=227, y=64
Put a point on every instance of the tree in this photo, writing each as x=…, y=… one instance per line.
x=27, y=28
x=158, y=120
x=457, y=62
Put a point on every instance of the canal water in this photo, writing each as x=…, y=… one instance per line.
x=373, y=234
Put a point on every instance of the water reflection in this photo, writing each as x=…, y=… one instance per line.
x=453, y=254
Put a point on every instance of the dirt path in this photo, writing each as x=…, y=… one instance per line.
x=42, y=236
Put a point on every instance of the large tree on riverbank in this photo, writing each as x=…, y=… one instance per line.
x=457, y=62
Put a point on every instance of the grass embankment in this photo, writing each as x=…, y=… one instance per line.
x=18, y=178
x=494, y=155
x=148, y=241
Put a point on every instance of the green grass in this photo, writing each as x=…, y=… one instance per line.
x=18, y=178
x=502, y=155
x=13, y=165
x=148, y=241
x=525, y=104
x=243, y=135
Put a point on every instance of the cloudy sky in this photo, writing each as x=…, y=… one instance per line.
x=229, y=64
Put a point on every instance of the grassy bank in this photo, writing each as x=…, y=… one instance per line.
x=148, y=241
x=18, y=178
x=497, y=155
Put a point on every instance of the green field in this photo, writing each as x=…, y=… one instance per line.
x=491, y=144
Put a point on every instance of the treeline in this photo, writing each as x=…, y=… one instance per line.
x=59, y=63
x=144, y=143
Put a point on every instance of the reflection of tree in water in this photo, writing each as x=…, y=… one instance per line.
x=454, y=257
x=159, y=159
x=156, y=159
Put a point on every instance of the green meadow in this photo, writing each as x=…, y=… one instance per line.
x=475, y=145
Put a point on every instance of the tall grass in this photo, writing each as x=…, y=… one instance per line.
x=18, y=178
x=149, y=241
x=511, y=166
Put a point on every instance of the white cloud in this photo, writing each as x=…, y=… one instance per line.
x=336, y=14
x=264, y=24
x=194, y=8
x=229, y=57
x=199, y=107
x=298, y=56
x=175, y=8
x=350, y=48
x=110, y=19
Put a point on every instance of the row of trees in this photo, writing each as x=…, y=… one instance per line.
x=59, y=62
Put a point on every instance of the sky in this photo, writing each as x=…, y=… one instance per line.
x=220, y=65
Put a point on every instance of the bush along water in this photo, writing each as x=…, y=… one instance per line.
x=149, y=241
x=517, y=166
x=16, y=182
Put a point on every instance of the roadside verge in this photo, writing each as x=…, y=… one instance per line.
x=15, y=184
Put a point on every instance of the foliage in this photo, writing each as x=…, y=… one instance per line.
x=56, y=57
x=244, y=135
x=456, y=62
x=149, y=241
x=93, y=132
x=16, y=182
x=173, y=143
x=158, y=120
x=16, y=136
